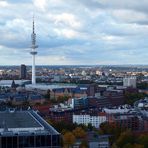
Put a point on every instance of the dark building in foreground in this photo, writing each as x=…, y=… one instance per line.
x=26, y=129
x=23, y=72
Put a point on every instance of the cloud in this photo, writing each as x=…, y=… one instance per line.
x=75, y=31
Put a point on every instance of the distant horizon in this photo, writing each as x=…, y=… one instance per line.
x=85, y=65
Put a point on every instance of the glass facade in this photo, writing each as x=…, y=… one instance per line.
x=30, y=141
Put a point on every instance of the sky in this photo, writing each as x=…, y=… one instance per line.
x=74, y=32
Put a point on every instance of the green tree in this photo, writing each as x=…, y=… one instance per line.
x=125, y=138
x=114, y=145
x=128, y=145
x=59, y=126
x=138, y=146
x=47, y=95
x=62, y=99
x=130, y=98
x=143, y=139
x=84, y=144
x=142, y=85
x=90, y=127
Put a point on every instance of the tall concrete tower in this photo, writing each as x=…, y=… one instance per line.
x=33, y=52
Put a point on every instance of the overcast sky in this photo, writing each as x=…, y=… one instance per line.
x=74, y=31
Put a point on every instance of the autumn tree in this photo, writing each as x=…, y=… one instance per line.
x=79, y=132
x=110, y=129
x=68, y=139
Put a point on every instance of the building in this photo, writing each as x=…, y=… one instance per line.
x=88, y=119
x=102, y=141
x=95, y=141
x=129, y=121
x=8, y=83
x=115, y=97
x=23, y=72
x=26, y=129
x=89, y=102
x=129, y=82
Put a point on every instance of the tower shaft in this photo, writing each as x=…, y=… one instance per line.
x=33, y=70
x=33, y=53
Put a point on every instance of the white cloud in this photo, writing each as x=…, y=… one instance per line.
x=68, y=33
x=53, y=59
x=66, y=19
x=79, y=31
x=129, y=16
x=3, y=4
x=40, y=4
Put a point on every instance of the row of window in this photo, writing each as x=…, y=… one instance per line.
x=29, y=141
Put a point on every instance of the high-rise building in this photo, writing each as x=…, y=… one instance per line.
x=129, y=82
x=23, y=72
x=33, y=53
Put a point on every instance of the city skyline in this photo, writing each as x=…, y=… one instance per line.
x=74, y=32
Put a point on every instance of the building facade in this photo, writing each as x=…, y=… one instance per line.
x=23, y=72
x=129, y=82
x=88, y=119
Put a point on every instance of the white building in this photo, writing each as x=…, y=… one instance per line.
x=86, y=119
x=129, y=82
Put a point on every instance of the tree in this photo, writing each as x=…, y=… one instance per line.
x=62, y=99
x=47, y=95
x=125, y=138
x=111, y=129
x=129, y=145
x=84, y=144
x=130, y=98
x=138, y=146
x=114, y=145
x=90, y=127
x=143, y=139
x=64, y=125
x=142, y=85
x=68, y=139
x=79, y=132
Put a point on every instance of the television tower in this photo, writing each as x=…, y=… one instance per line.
x=33, y=52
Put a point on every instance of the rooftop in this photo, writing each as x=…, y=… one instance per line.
x=9, y=82
x=23, y=122
x=18, y=120
x=48, y=86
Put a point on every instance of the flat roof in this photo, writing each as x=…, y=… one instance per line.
x=24, y=122
x=48, y=86
x=9, y=82
x=18, y=120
